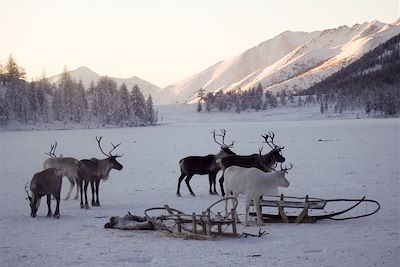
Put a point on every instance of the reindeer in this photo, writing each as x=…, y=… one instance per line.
x=68, y=166
x=204, y=165
x=265, y=162
x=47, y=182
x=254, y=183
x=93, y=170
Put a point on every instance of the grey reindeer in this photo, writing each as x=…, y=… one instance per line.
x=68, y=167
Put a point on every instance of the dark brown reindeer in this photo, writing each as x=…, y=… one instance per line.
x=203, y=165
x=93, y=170
x=67, y=165
x=265, y=162
x=45, y=183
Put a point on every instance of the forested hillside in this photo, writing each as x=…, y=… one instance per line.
x=372, y=83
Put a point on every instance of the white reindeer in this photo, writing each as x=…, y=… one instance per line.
x=68, y=167
x=253, y=183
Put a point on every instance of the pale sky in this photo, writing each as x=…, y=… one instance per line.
x=161, y=41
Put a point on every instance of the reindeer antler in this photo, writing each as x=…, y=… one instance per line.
x=109, y=153
x=271, y=135
x=286, y=168
x=223, y=133
x=52, y=150
x=26, y=190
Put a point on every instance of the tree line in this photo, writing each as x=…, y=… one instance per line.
x=103, y=103
x=255, y=98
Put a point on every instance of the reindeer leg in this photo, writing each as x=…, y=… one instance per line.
x=48, y=205
x=210, y=184
x=178, y=193
x=57, y=212
x=187, y=180
x=221, y=184
x=257, y=207
x=93, y=191
x=97, y=184
x=214, y=181
x=77, y=188
x=81, y=189
x=72, y=184
x=85, y=189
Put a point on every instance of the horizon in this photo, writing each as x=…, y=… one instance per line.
x=29, y=38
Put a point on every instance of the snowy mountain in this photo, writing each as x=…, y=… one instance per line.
x=86, y=75
x=291, y=60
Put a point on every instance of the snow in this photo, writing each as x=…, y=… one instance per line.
x=358, y=157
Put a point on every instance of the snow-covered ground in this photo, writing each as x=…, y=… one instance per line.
x=357, y=157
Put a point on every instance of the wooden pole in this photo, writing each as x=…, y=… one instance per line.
x=234, y=230
x=194, y=223
x=219, y=225
x=203, y=224
x=178, y=223
x=208, y=223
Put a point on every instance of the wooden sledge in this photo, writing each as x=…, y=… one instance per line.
x=208, y=225
x=305, y=204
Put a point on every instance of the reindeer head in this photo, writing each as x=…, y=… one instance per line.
x=276, y=152
x=283, y=182
x=225, y=149
x=110, y=157
x=32, y=203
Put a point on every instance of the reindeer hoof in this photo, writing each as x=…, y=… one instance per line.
x=178, y=195
x=86, y=206
x=82, y=206
x=49, y=214
x=57, y=216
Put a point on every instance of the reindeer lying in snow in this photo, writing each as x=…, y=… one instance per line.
x=47, y=182
x=253, y=183
x=130, y=222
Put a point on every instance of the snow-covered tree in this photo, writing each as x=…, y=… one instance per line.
x=4, y=116
x=122, y=111
x=151, y=115
x=138, y=108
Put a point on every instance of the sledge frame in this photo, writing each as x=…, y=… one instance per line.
x=205, y=226
x=307, y=203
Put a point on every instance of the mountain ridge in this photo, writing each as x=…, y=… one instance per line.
x=288, y=61
x=87, y=75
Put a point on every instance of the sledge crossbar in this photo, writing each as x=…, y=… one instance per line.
x=313, y=204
